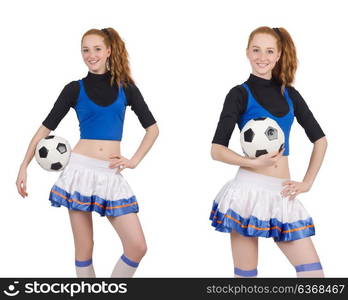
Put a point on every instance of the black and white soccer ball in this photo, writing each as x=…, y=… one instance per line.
x=53, y=153
x=261, y=136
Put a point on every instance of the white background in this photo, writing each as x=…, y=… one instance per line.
x=185, y=56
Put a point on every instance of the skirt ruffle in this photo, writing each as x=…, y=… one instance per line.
x=88, y=184
x=252, y=205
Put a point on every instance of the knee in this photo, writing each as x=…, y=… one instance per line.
x=136, y=250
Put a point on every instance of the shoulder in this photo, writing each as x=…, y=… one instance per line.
x=238, y=91
x=300, y=104
x=132, y=93
x=293, y=92
x=71, y=92
x=130, y=88
x=72, y=87
x=237, y=97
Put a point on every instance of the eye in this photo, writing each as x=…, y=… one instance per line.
x=85, y=50
x=255, y=50
x=270, y=51
x=98, y=49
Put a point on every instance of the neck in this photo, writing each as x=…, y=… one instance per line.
x=98, y=72
x=264, y=76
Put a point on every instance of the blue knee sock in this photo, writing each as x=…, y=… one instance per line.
x=245, y=273
x=309, y=270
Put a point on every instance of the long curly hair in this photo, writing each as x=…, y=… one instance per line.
x=285, y=69
x=118, y=62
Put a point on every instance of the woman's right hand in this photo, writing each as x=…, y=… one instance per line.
x=21, y=182
x=267, y=160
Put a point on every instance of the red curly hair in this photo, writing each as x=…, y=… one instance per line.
x=285, y=69
x=118, y=60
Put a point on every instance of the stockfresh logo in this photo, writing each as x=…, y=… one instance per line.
x=71, y=289
x=11, y=290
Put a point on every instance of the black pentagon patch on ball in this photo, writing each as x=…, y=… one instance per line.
x=249, y=135
x=49, y=137
x=260, y=119
x=43, y=152
x=61, y=148
x=271, y=133
x=56, y=166
x=260, y=152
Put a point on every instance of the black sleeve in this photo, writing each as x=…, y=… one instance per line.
x=235, y=104
x=66, y=99
x=138, y=105
x=305, y=117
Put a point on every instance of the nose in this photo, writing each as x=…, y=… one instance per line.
x=263, y=56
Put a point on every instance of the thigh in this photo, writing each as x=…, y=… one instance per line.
x=128, y=228
x=300, y=251
x=81, y=225
x=244, y=251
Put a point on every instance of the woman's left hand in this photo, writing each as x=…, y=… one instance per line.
x=120, y=162
x=293, y=188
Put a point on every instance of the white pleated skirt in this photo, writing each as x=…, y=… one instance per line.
x=252, y=205
x=88, y=184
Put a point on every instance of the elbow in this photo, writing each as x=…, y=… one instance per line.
x=215, y=151
x=154, y=130
x=322, y=142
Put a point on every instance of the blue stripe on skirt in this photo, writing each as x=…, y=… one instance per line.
x=265, y=228
x=92, y=203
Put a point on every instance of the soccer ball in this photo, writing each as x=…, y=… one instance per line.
x=261, y=136
x=53, y=153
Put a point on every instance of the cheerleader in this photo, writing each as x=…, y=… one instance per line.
x=92, y=180
x=261, y=201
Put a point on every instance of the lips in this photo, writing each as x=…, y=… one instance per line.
x=93, y=62
x=262, y=65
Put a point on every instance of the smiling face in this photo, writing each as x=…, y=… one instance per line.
x=263, y=55
x=95, y=53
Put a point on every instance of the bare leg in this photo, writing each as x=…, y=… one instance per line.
x=302, y=252
x=244, y=253
x=82, y=228
x=129, y=229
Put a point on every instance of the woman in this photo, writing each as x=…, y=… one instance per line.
x=92, y=180
x=261, y=199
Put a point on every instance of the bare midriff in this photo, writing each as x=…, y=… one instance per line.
x=279, y=170
x=99, y=149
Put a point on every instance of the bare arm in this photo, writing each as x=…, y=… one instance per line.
x=317, y=157
x=293, y=188
x=226, y=155
x=149, y=139
x=22, y=174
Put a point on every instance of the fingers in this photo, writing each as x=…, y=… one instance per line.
x=276, y=153
x=117, y=164
x=279, y=154
x=291, y=191
x=21, y=188
x=287, y=182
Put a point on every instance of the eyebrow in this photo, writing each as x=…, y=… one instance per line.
x=267, y=47
x=94, y=46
